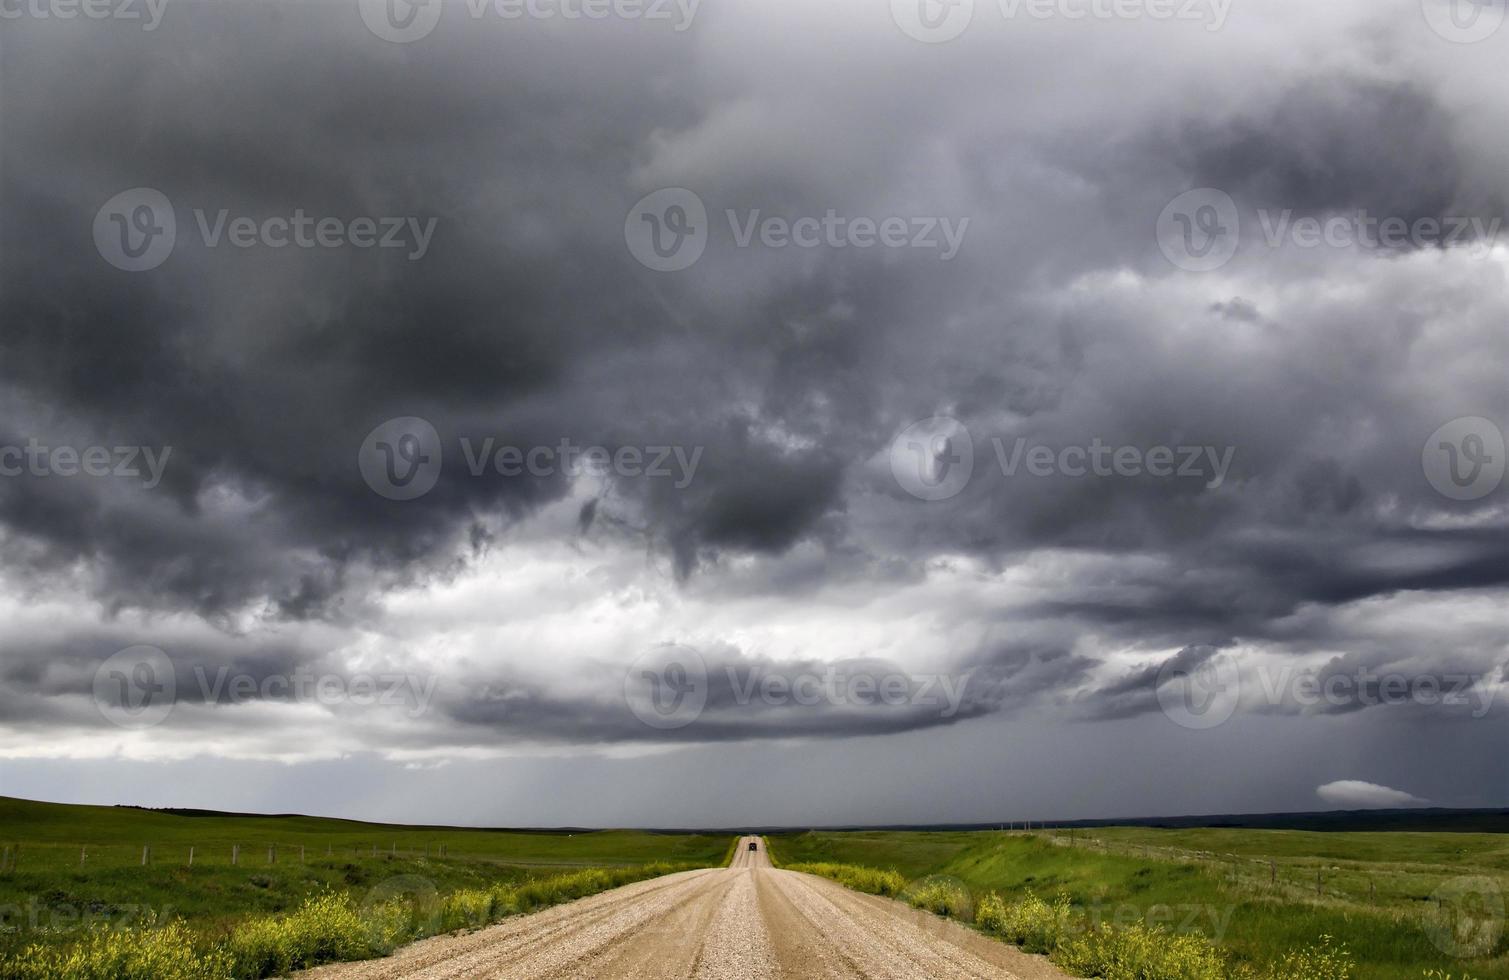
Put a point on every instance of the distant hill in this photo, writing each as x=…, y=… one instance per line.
x=1422, y=819
x=62, y=819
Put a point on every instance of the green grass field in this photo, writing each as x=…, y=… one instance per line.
x=1252, y=891
x=67, y=869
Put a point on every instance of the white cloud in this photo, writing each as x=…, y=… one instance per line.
x=1359, y=795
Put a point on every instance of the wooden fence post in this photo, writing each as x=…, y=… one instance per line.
x=272, y=854
x=1317, y=882
x=235, y=855
x=1272, y=872
x=146, y=853
x=83, y=855
x=191, y=855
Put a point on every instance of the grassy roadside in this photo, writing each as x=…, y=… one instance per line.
x=328, y=927
x=79, y=898
x=1211, y=903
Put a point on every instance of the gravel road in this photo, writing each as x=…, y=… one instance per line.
x=746, y=922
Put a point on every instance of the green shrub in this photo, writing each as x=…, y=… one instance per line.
x=469, y=908
x=1323, y=961
x=871, y=881
x=1032, y=923
x=326, y=928
x=167, y=952
x=1139, y=952
x=941, y=897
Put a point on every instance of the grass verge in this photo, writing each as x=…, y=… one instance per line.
x=328, y=927
x=1189, y=905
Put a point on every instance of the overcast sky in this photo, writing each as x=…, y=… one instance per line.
x=754, y=412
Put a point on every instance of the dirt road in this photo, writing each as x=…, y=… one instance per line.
x=746, y=922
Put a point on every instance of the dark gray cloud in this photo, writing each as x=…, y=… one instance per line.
x=1307, y=380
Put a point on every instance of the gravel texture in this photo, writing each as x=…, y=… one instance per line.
x=746, y=922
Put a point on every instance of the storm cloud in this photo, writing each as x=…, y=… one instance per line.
x=1235, y=463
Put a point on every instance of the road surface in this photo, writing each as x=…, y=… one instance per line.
x=746, y=922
